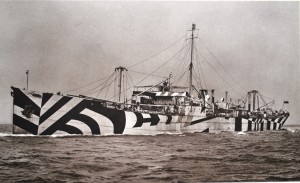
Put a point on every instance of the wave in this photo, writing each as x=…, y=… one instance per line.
x=293, y=128
x=16, y=135
x=241, y=133
x=78, y=135
x=293, y=131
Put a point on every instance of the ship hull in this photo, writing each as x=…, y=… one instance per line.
x=47, y=114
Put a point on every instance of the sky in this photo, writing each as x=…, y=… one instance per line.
x=66, y=45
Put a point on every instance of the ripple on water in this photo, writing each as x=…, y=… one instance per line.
x=263, y=156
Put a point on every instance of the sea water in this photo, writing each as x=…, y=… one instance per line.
x=225, y=156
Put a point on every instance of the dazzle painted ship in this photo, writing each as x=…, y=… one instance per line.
x=151, y=109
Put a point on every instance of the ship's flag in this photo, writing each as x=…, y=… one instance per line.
x=285, y=102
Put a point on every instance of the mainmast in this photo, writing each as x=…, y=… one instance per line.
x=191, y=64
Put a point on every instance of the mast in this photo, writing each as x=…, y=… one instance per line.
x=27, y=73
x=120, y=69
x=254, y=97
x=191, y=63
x=226, y=96
x=249, y=101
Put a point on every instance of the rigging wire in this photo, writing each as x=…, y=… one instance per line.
x=198, y=61
x=109, y=86
x=103, y=86
x=265, y=103
x=115, y=90
x=245, y=99
x=157, y=68
x=218, y=73
x=106, y=91
x=163, y=64
x=266, y=97
x=187, y=81
x=185, y=53
x=181, y=66
x=232, y=99
x=87, y=84
x=97, y=85
x=218, y=61
x=131, y=79
x=197, y=71
x=128, y=67
x=156, y=53
x=221, y=65
x=179, y=79
x=196, y=78
x=147, y=74
x=181, y=69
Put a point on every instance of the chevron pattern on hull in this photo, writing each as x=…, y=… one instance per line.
x=47, y=114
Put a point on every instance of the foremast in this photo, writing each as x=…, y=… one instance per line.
x=191, y=63
x=120, y=70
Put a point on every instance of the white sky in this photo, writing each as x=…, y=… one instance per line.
x=68, y=44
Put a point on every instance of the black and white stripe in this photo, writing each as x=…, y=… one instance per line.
x=47, y=114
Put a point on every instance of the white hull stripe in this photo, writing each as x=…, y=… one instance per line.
x=54, y=114
x=53, y=100
x=85, y=129
x=33, y=118
x=105, y=124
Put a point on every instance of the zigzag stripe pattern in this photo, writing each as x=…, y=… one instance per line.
x=54, y=108
x=27, y=108
x=118, y=120
x=266, y=124
x=58, y=111
x=47, y=114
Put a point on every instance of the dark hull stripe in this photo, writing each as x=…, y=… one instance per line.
x=139, y=120
x=154, y=120
x=249, y=125
x=280, y=120
x=46, y=97
x=70, y=129
x=238, y=124
x=268, y=125
x=25, y=125
x=206, y=130
x=259, y=124
x=169, y=119
x=201, y=120
x=274, y=125
x=93, y=125
x=23, y=101
x=116, y=117
x=54, y=108
x=286, y=117
x=279, y=127
x=253, y=127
